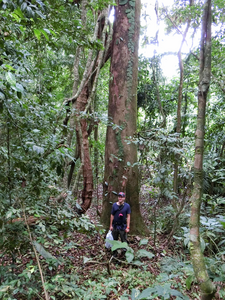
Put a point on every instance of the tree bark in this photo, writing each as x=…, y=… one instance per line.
x=82, y=99
x=158, y=96
x=206, y=285
x=121, y=170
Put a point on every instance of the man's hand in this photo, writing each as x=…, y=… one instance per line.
x=127, y=229
x=111, y=228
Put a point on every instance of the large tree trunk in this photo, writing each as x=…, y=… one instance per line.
x=121, y=170
x=206, y=285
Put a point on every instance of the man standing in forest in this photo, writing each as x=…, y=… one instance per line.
x=120, y=218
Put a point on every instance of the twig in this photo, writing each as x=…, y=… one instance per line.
x=37, y=258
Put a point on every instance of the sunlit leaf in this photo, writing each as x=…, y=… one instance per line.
x=38, y=149
x=37, y=33
x=45, y=34
x=5, y=288
x=18, y=12
x=10, y=77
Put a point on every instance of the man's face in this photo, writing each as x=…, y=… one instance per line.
x=121, y=199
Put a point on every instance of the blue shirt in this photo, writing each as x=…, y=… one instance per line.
x=120, y=213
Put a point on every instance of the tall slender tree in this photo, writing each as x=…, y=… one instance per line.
x=179, y=104
x=206, y=286
x=121, y=170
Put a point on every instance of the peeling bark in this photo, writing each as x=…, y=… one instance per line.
x=82, y=100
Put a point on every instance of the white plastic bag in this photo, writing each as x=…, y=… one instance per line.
x=109, y=236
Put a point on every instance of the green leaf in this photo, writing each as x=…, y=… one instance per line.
x=24, y=6
x=222, y=223
x=118, y=245
x=143, y=242
x=175, y=293
x=134, y=294
x=46, y=30
x=38, y=149
x=45, y=34
x=144, y=253
x=18, y=87
x=37, y=33
x=86, y=259
x=9, y=67
x=18, y=12
x=123, y=2
x=137, y=263
x=52, y=32
x=132, y=3
x=202, y=244
x=145, y=293
x=42, y=251
x=189, y=281
x=129, y=256
x=223, y=268
x=10, y=77
x=4, y=288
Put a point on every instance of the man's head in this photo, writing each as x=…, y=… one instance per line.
x=121, y=197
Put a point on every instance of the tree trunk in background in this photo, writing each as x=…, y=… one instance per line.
x=82, y=138
x=121, y=170
x=179, y=103
x=206, y=285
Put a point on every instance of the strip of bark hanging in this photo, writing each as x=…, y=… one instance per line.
x=83, y=103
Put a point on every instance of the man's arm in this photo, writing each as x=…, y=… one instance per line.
x=128, y=223
x=111, y=221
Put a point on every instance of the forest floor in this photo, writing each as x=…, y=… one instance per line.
x=105, y=278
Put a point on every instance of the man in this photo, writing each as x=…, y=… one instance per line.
x=120, y=218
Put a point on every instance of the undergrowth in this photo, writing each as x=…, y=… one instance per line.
x=76, y=264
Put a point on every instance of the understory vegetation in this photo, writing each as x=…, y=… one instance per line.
x=76, y=265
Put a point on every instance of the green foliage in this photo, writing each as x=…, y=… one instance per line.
x=162, y=149
x=162, y=291
x=211, y=234
x=163, y=285
x=130, y=255
x=47, y=235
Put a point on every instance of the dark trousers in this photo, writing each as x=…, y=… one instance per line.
x=116, y=233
